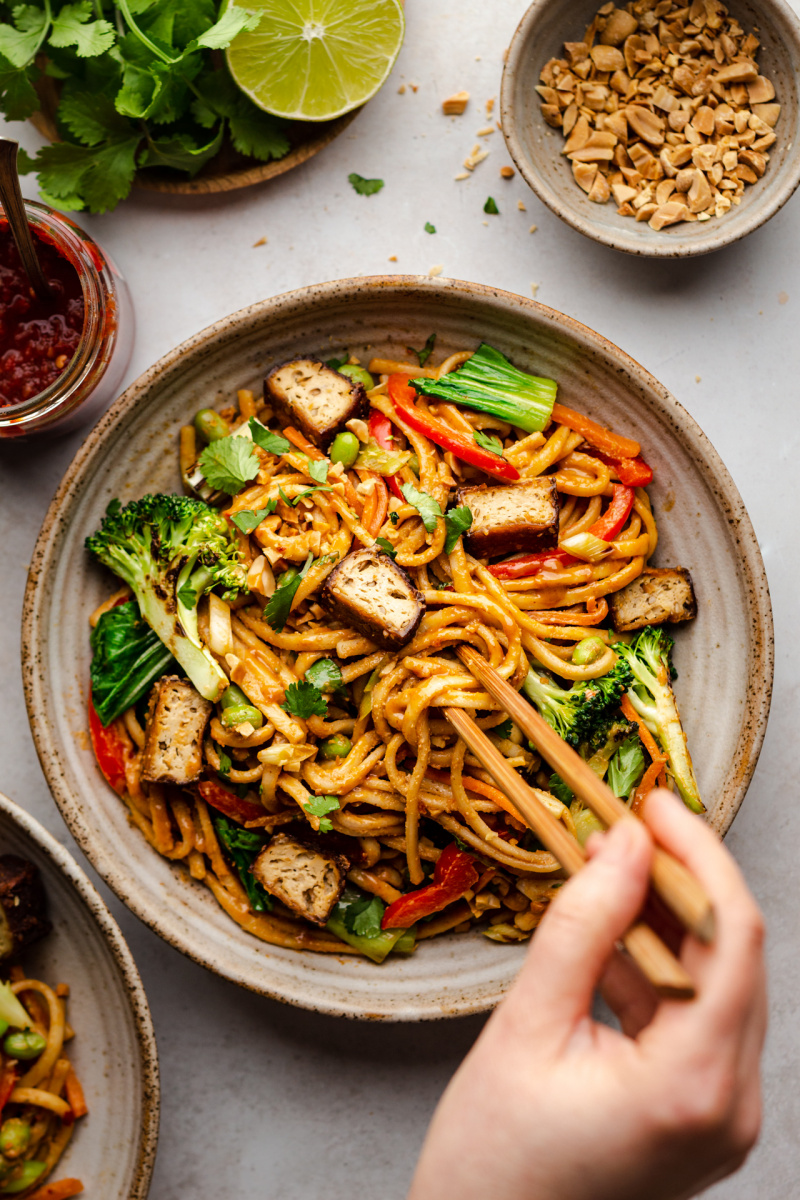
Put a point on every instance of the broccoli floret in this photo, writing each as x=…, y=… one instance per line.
x=654, y=700
x=608, y=737
x=578, y=713
x=171, y=551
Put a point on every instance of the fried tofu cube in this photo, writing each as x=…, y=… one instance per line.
x=303, y=878
x=314, y=398
x=372, y=594
x=23, y=905
x=658, y=595
x=512, y=517
x=176, y=721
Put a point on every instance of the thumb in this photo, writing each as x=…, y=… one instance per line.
x=577, y=935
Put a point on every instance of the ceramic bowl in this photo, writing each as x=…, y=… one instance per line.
x=113, y=1149
x=702, y=521
x=536, y=147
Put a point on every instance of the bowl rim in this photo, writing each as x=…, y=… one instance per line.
x=66, y=866
x=660, y=246
x=315, y=297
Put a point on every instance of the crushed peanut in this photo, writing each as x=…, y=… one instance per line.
x=485, y=131
x=521, y=206
x=490, y=106
x=437, y=270
x=262, y=241
x=507, y=172
x=454, y=105
x=663, y=110
x=462, y=175
x=534, y=289
x=476, y=155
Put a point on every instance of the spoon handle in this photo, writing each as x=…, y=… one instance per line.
x=14, y=208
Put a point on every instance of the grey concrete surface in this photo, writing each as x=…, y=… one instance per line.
x=262, y=1100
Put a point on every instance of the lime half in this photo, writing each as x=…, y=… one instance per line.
x=313, y=60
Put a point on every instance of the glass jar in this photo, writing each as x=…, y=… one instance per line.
x=91, y=379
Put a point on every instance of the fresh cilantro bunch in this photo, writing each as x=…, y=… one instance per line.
x=139, y=86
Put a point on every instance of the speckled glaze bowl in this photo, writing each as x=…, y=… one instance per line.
x=703, y=525
x=113, y=1149
x=536, y=147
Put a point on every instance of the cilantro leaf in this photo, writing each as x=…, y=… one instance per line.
x=280, y=602
x=248, y=519
x=73, y=26
x=90, y=117
x=458, y=521
x=225, y=762
x=626, y=766
x=233, y=21
x=426, y=506
x=429, y=228
x=273, y=443
x=257, y=134
x=487, y=442
x=304, y=700
x=18, y=98
x=491, y=207
x=427, y=350
x=335, y=363
x=97, y=178
x=504, y=729
x=363, y=917
x=20, y=42
x=229, y=463
x=318, y=806
x=181, y=152
x=365, y=187
x=322, y=487
x=242, y=846
x=325, y=675
x=318, y=469
x=559, y=789
x=386, y=546
x=393, y=517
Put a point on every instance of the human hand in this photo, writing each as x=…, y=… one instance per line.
x=551, y=1105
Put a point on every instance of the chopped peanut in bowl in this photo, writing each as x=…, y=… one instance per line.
x=663, y=110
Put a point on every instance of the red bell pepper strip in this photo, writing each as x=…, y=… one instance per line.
x=455, y=871
x=380, y=428
x=228, y=803
x=633, y=472
x=109, y=750
x=613, y=519
x=606, y=527
x=8, y=1081
x=403, y=396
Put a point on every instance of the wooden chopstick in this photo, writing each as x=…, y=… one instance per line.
x=654, y=959
x=674, y=883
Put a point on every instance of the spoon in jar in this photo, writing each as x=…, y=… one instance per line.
x=14, y=209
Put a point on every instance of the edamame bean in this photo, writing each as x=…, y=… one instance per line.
x=24, y=1175
x=345, y=449
x=234, y=697
x=239, y=713
x=29, y=1044
x=15, y=1136
x=357, y=374
x=336, y=746
x=210, y=425
x=587, y=651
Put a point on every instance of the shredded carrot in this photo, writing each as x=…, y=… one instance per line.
x=58, y=1191
x=477, y=785
x=302, y=443
x=648, y=741
x=592, y=617
x=605, y=440
x=377, y=506
x=75, y=1096
x=647, y=784
x=662, y=778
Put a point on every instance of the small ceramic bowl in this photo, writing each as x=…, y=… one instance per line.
x=702, y=525
x=114, y=1051
x=536, y=147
